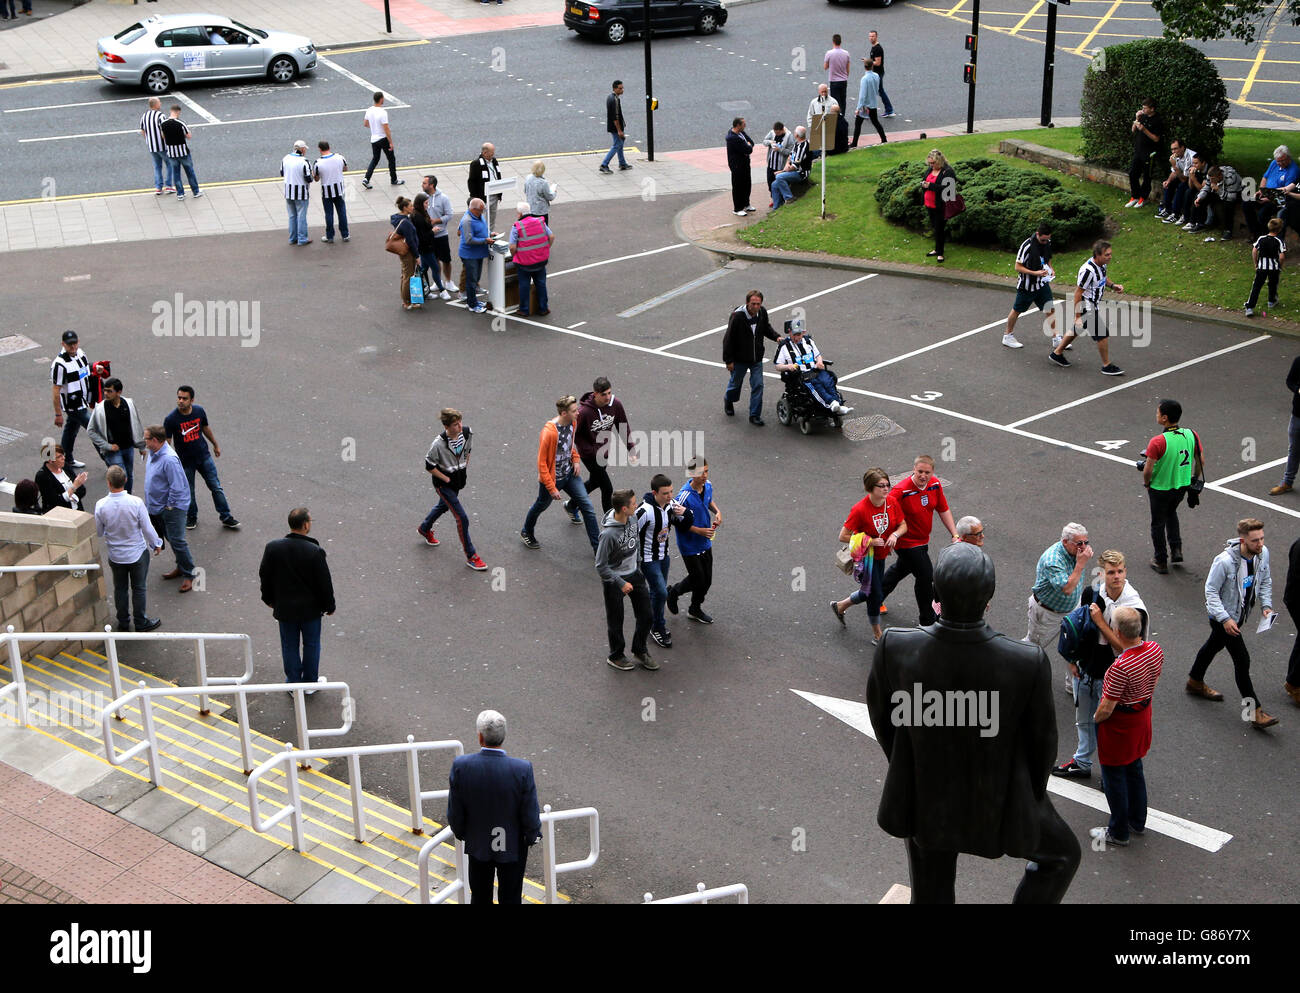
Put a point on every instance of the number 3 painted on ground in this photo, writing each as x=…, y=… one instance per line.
x=927, y=396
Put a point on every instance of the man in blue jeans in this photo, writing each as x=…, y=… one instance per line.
x=475, y=237
x=742, y=352
x=616, y=126
x=654, y=515
x=186, y=427
x=166, y=496
x=558, y=476
x=296, y=585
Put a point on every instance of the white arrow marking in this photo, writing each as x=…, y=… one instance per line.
x=856, y=716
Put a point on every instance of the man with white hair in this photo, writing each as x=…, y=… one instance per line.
x=1280, y=179
x=492, y=808
x=970, y=529
x=530, y=246
x=1057, y=583
x=823, y=103
x=796, y=169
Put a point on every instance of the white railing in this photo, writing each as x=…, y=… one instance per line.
x=701, y=895
x=550, y=869
x=74, y=569
x=459, y=884
x=110, y=638
x=353, y=753
x=149, y=744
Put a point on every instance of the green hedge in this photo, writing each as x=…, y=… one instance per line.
x=1190, y=99
x=1003, y=204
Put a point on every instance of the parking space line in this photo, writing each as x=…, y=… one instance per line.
x=370, y=87
x=1259, y=59
x=621, y=258
x=189, y=102
x=771, y=310
x=653, y=302
x=64, y=106
x=930, y=348
x=1141, y=379
x=1248, y=472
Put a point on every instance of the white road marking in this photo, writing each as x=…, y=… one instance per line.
x=1141, y=379
x=1248, y=472
x=189, y=102
x=76, y=279
x=771, y=310
x=621, y=258
x=856, y=716
x=928, y=348
x=389, y=99
x=62, y=106
x=205, y=124
x=578, y=325
x=653, y=302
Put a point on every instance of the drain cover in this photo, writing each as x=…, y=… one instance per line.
x=871, y=427
x=11, y=343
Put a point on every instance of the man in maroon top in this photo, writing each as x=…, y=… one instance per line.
x=1123, y=720
x=920, y=495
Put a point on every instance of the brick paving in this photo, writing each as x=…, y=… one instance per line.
x=19, y=886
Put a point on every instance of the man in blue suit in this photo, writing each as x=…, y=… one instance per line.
x=493, y=809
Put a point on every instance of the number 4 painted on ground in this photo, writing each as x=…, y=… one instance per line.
x=1111, y=446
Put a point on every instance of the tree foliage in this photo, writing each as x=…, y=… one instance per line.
x=1189, y=93
x=1206, y=20
x=1003, y=204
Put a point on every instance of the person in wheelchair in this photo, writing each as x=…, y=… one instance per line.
x=798, y=359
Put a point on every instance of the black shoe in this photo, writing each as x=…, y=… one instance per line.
x=1160, y=567
x=398, y=182
x=529, y=541
x=231, y=523
x=672, y=600
x=1071, y=770
x=698, y=614
x=1272, y=303
x=645, y=660
x=758, y=422
x=366, y=183
x=191, y=525
x=624, y=168
x=662, y=638
x=729, y=407
x=620, y=662
x=1060, y=360
x=1175, y=555
x=149, y=625
x=607, y=170
x=1111, y=370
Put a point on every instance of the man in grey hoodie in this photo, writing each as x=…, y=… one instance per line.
x=618, y=563
x=1238, y=576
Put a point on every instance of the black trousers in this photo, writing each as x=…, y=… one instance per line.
x=509, y=878
x=916, y=562
x=741, y=184
x=1261, y=276
x=1139, y=176
x=640, y=597
x=1220, y=639
x=598, y=478
x=699, y=577
x=1164, y=521
x=940, y=225
x=378, y=148
x=840, y=93
x=1046, y=878
x=875, y=122
x=1293, y=664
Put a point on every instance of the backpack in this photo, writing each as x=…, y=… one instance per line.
x=1077, y=629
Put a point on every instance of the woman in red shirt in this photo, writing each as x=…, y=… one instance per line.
x=880, y=518
x=937, y=191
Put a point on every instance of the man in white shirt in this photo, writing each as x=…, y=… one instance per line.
x=381, y=141
x=296, y=170
x=799, y=354
x=823, y=103
x=1175, y=202
x=128, y=535
x=329, y=173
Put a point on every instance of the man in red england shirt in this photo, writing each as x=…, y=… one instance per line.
x=920, y=495
x=1123, y=721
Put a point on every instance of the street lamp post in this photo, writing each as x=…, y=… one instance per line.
x=649, y=99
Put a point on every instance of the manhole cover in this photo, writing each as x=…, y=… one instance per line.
x=871, y=427
x=16, y=343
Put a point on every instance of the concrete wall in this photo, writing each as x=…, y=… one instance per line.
x=1065, y=162
x=52, y=601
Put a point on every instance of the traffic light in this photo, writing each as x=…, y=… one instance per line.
x=968, y=73
x=972, y=41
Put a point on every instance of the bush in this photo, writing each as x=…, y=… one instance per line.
x=1190, y=99
x=1003, y=204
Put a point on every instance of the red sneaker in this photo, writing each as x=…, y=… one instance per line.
x=428, y=536
x=884, y=609
x=476, y=563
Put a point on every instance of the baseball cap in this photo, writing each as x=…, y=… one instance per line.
x=69, y=336
x=299, y=144
x=795, y=326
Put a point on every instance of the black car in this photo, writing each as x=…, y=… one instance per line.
x=618, y=20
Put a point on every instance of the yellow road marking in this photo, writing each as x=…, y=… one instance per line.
x=373, y=48
x=960, y=5
x=1032, y=11
x=1259, y=58
x=47, y=82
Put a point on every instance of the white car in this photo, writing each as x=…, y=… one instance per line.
x=169, y=49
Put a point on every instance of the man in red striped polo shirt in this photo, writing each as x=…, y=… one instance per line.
x=920, y=495
x=1123, y=721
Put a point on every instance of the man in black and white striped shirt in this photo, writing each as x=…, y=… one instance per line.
x=296, y=170
x=1034, y=285
x=70, y=388
x=1088, y=291
x=654, y=514
x=176, y=137
x=329, y=173
x=151, y=128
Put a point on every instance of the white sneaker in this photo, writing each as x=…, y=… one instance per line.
x=835, y=406
x=1010, y=341
x=740, y=213
x=444, y=295
x=845, y=410
x=1131, y=203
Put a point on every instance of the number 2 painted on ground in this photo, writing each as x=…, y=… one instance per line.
x=927, y=396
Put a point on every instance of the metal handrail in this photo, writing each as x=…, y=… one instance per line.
x=701, y=895
x=353, y=754
x=48, y=568
x=458, y=885
x=549, y=867
x=149, y=744
x=111, y=638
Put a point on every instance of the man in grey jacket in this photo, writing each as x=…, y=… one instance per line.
x=116, y=431
x=618, y=563
x=1239, y=575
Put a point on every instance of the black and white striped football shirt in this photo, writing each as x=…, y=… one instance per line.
x=1032, y=255
x=71, y=373
x=173, y=133
x=1092, y=280
x=151, y=124
x=1269, y=250
x=296, y=171
x=329, y=173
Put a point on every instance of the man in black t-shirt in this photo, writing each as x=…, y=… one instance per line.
x=186, y=428
x=877, y=62
x=1146, y=139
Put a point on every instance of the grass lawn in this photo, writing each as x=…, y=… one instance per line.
x=1150, y=258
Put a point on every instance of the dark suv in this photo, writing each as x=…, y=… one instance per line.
x=618, y=20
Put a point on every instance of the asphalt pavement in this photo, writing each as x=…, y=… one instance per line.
x=712, y=768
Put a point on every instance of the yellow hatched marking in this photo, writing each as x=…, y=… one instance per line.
x=1024, y=20
x=1259, y=59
